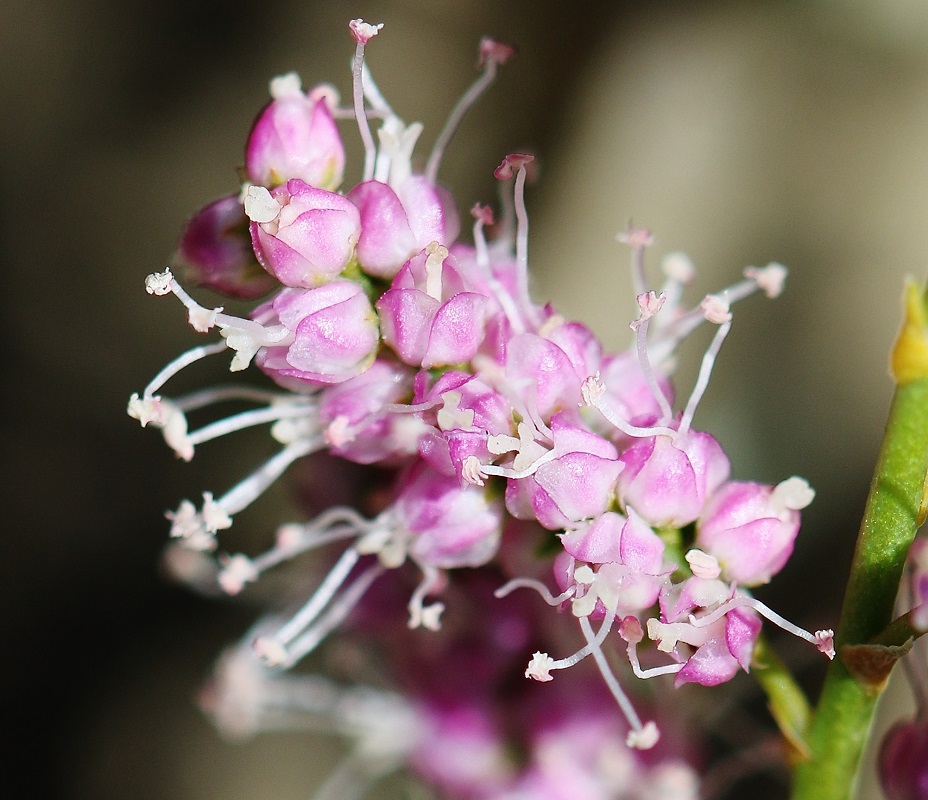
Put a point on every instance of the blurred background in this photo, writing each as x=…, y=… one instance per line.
x=740, y=132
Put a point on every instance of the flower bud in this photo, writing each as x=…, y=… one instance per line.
x=749, y=531
x=669, y=481
x=578, y=484
x=396, y=224
x=295, y=136
x=428, y=316
x=904, y=761
x=452, y=526
x=333, y=335
x=302, y=235
x=215, y=251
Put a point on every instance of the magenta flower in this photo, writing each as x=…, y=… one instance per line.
x=904, y=761
x=303, y=236
x=396, y=223
x=668, y=481
x=215, y=251
x=428, y=316
x=331, y=334
x=574, y=481
x=750, y=528
x=295, y=136
x=450, y=525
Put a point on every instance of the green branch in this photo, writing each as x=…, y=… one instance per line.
x=895, y=509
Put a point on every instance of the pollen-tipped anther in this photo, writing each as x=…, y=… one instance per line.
x=794, y=493
x=771, y=279
x=511, y=164
x=716, y=309
x=362, y=31
x=492, y=51
x=703, y=565
x=644, y=738
x=825, y=643
x=539, y=667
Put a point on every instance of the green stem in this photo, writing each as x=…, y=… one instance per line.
x=786, y=700
x=895, y=509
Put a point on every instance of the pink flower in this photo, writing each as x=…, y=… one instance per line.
x=450, y=525
x=295, y=136
x=904, y=761
x=750, y=528
x=398, y=223
x=428, y=316
x=543, y=372
x=302, y=235
x=332, y=334
x=357, y=427
x=215, y=251
x=667, y=481
x=578, y=483
x=729, y=644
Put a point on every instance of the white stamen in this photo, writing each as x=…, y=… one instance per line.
x=517, y=474
x=320, y=598
x=538, y=586
x=334, y=617
x=525, y=300
x=667, y=634
x=549, y=664
x=793, y=493
x=295, y=407
x=703, y=565
x=679, y=268
x=771, y=279
x=464, y=104
x=645, y=738
x=640, y=736
x=451, y=416
x=245, y=336
x=436, y=255
x=539, y=667
x=394, y=157
x=717, y=310
x=593, y=392
x=287, y=85
x=823, y=640
x=203, y=319
x=374, y=96
x=159, y=283
x=638, y=239
x=145, y=411
x=702, y=380
x=215, y=516
x=260, y=205
x=182, y=361
x=363, y=32
x=472, y=471
x=505, y=300
x=650, y=305
x=237, y=571
x=420, y=614
x=247, y=491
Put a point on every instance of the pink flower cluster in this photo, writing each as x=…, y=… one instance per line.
x=396, y=346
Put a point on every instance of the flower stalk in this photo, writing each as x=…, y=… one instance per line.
x=895, y=509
